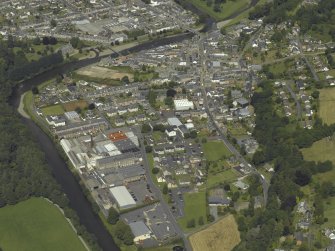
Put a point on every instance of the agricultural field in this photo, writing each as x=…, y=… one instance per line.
x=53, y=110
x=327, y=105
x=215, y=150
x=192, y=201
x=36, y=224
x=222, y=235
x=104, y=73
x=228, y=8
x=71, y=106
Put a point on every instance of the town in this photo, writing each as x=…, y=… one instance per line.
x=173, y=140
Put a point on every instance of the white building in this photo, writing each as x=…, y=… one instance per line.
x=122, y=197
x=183, y=104
x=140, y=230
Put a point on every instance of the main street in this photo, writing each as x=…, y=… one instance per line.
x=229, y=145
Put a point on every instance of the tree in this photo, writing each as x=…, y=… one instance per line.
x=171, y=93
x=201, y=221
x=123, y=233
x=35, y=90
x=193, y=134
x=45, y=40
x=168, y=101
x=145, y=128
x=113, y=216
x=53, y=23
x=91, y=106
x=37, y=41
x=148, y=149
x=155, y=170
x=76, y=43
x=190, y=223
x=165, y=189
x=125, y=80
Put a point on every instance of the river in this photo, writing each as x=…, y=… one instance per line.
x=58, y=166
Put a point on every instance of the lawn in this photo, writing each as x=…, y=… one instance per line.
x=73, y=105
x=222, y=235
x=327, y=105
x=215, y=150
x=330, y=212
x=53, y=110
x=228, y=175
x=195, y=207
x=36, y=224
x=227, y=9
x=322, y=150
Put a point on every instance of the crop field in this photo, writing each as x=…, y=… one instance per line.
x=36, y=224
x=222, y=235
x=104, y=73
x=215, y=150
x=71, y=106
x=327, y=105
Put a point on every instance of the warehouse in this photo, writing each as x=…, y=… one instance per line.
x=140, y=230
x=122, y=197
x=183, y=104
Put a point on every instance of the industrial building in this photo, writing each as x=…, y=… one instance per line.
x=183, y=105
x=140, y=230
x=122, y=197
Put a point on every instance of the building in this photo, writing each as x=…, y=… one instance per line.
x=140, y=230
x=118, y=161
x=183, y=105
x=122, y=197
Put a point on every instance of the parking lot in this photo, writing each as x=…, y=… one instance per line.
x=140, y=191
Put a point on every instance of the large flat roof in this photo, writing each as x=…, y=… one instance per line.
x=122, y=196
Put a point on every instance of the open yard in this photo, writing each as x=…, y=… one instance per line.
x=104, y=73
x=215, y=150
x=327, y=105
x=53, y=110
x=36, y=224
x=228, y=8
x=222, y=235
x=228, y=175
x=194, y=201
x=71, y=106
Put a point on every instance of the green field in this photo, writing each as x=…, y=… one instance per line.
x=195, y=206
x=227, y=9
x=327, y=105
x=227, y=175
x=53, y=110
x=36, y=224
x=215, y=150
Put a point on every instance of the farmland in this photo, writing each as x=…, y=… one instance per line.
x=36, y=224
x=222, y=235
x=327, y=105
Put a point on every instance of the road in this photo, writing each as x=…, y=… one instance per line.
x=296, y=100
x=159, y=194
x=222, y=136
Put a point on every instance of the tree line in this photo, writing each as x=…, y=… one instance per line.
x=23, y=169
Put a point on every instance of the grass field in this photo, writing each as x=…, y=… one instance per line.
x=71, y=106
x=227, y=175
x=327, y=105
x=53, y=110
x=215, y=150
x=36, y=224
x=222, y=235
x=227, y=9
x=193, y=201
x=104, y=73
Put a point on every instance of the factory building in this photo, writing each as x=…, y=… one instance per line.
x=183, y=105
x=122, y=197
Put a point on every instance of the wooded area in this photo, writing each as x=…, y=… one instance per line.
x=23, y=170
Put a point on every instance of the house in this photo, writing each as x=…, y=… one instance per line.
x=170, y=132
x=120, y=122
x=302, y=207
x=159, y=150
x=131, y=121
x=241, y=185
x=122, y=110
x=140, y=231
x=169, y=149
x=183, y=130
